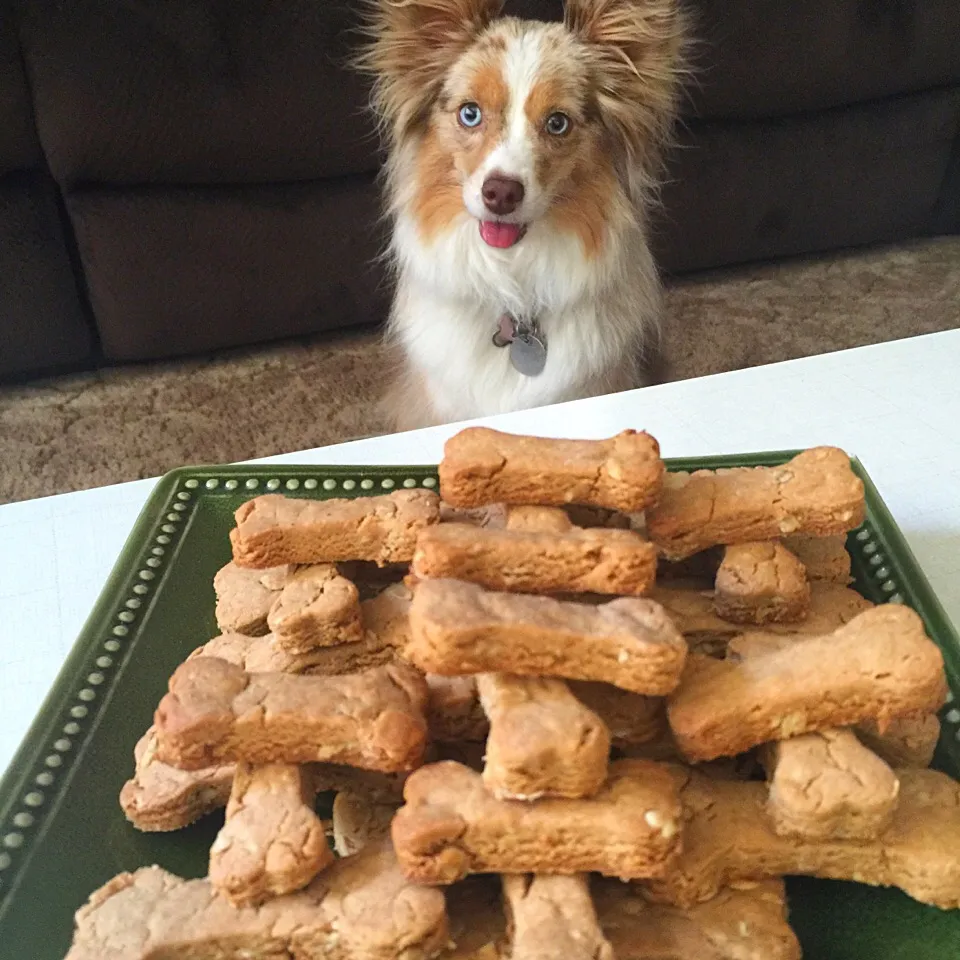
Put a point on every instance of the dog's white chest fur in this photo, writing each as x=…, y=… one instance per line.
x=450, y=296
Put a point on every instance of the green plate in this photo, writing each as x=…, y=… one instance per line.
x=62, y=833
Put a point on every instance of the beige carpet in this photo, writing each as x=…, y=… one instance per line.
x=139, y=421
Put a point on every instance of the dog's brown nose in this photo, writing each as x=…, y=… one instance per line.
x=501, y=195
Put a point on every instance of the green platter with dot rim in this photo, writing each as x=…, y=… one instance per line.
x=62, y=833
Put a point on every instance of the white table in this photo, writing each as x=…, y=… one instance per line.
x=896, y=406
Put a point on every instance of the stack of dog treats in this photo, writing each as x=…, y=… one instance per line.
x=617, y=709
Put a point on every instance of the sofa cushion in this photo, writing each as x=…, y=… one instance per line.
x=175, y=270
x=766, y=58
x=196, y=91
x=751, y=190
x=19, y=149
x=42, y=324
x=759, y=58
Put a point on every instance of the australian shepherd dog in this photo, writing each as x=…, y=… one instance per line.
x=522, y=164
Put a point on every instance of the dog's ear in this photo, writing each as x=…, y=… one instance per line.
x=412, y=45
x=638, y=50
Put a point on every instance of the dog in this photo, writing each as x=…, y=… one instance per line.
x=522, y=160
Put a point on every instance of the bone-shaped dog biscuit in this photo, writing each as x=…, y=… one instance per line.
x=272, y=842
x=537, y=561
x=273, y=529
x=459, y=628
x=727, y=837
x=880, y=665
x=316, y=608
x=375, y=912
x=543, y=741
x=151, y=913
x=816, y=492
x=362, y=908
x=746, y=922
x=159, y=797
x=482, y=466
x=216, y=712
x=452, y=826
x=825, y=784
x=244, y=597
x=828, y=785
x=761, y=583
x=553, y=916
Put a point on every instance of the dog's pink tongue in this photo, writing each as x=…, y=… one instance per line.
x=500, y=235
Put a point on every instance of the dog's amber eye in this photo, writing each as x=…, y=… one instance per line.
x=470, y=115
x=558, y=124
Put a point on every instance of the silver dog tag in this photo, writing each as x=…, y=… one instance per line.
x=528, y=353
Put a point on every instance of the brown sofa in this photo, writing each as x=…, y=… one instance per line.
x=183, y=175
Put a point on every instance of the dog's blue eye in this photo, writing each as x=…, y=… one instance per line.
x=470, y=115
x=558, y=124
